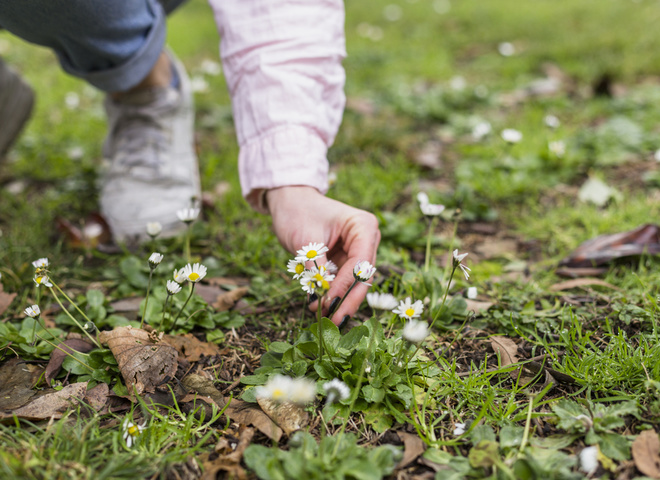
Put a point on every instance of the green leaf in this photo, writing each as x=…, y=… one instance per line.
x=378, y=419
x=373, y=395
x=353, y=337
x=484, y=454
x=95, y=298
x=482, y=433
x=258, y=379
x=279, y=347
x=249, y=395
x=511, y=436
x=270, y=359
x=614, y=446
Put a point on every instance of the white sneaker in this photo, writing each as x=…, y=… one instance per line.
x=16, y=102
x=153, y=169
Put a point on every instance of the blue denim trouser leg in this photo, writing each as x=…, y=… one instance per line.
x=113, y=44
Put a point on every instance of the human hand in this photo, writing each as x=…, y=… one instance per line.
x=302, y=215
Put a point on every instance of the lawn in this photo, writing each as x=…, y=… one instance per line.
x=535, y=124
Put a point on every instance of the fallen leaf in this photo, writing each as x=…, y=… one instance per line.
x=50, y=405
x=606, y=248
x=145, y=362
x=131, y=304
x=582, y=282
x=58, y=355
x=567, y=272
x=17, y=380
x=190, y=347
x=93, y=232
x=209, y=293
x=5, y=299
x=240, y=412
x=646, y=453
x=413, y=447
x=429, y=156
x=477, y=306
x=227, y=300
x=231, y=462
x=289, y=416
x=225, y=282
x=97, y=397
x=497, y=248
x=505, y=348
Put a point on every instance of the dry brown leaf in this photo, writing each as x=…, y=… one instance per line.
x=429, y=156
x=131, y=304
x=16, y=382
x=209, y=293
x=50, y=405
x=289, y=416
x=240, y=412
x=190, y=347
x=5, y=299
x=582, y=282
x=93, y=231
x=58, y=355
x=227, y=300
x=225, y=282
x=230, y=463
x=493, y=248
x=97, y=396
x=145, y=362
x=413, y=447
x=477, y=306
x=646, y=453
x=506, y=348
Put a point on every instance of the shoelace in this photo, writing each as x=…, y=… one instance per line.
x=140, y=134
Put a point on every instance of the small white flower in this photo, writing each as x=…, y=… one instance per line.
x=296, y=267
x=131, y=432
x=457, y=263
x=481, y=130
x=210, y=67
x=409, y=310
x=459, y=429
x=551, y=121
x=557, y=148
x=33, y=311
x=173, y=287
x=154, y=229
x=431, y=209
x=303, y=391
x=472, y=293
x=155, y=259
x=506, y=49
x=589, y=459
x=381, y=301
x=336, y=391
x=422, y=197
x=656, y=155
x=198, y=84
x=179, y=276
x=277, y=388
x=363, y=271
x=40, y=263
x=188, y=215
x=42, y=280
x=331, y=267
x=457, y=83
x=316, y=279
x=194, y=273
x=415, y=331
x=311, y=252
x=511, y=135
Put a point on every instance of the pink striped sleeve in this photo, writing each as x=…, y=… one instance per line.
x=282, y=61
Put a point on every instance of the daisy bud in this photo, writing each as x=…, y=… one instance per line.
x=40, y=263
x=173, y=287
x=415, y=331
x=155, y=259
x=363, y=271
x=154, y=229
x=336, y=391
x=33, y=311
x=188, y=215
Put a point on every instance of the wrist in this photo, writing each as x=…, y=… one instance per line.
x=274, y=198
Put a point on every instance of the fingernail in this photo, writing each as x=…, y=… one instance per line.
x=344, y=321
x=333, y=305
x=313, y=297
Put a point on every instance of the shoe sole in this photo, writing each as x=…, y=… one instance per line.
x=16, y=104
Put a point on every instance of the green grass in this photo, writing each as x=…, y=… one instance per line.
x=604, y=339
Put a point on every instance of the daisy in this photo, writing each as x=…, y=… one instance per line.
x=336, y=391
x=381, y=301
x=154, y=229
x=33, y=311
x=277, y=388
x=457, y=263
x=589, y=459
x=511, y=135
x=131, y=432
x=551, y=121
x=472, y=293
x=155, y=259
x=194, y=273
x=506, y=49
x=40, y=263
x=428, y=208
x=173, y=287
x=363, y=271
x=409, y=310
x=557, y=148
x=188, y=215
x=42, y=279
x=296, y=267
x=316, y=279
x=459, y=429
x=481, y=130
x=303, y=391
x=415, y=331
x=331, y=266
x=311, y=252
x=179, y=276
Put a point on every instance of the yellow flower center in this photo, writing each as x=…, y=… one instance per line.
x=325, y=285
x=410, y=312
x=278, y=394
x=193, y=276
x=318, y=277
x=311, y=254
x=40, y=279
x=299, y=268
x=133, y=431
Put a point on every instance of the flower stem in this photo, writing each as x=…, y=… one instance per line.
x=355, y=282
x=146, y=300
x=319, y=317
x=429, y=236
x=60, y=348
x=187, y=245
x=94, y=341
x=160, y=327
x=192, y=289
x=444, y=298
